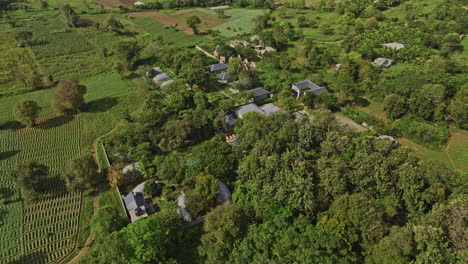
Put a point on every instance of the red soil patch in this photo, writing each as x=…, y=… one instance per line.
x=113, y=4
x=166, y=20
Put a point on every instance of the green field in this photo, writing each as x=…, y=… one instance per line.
x=47, y=230
x=239, y=23
x=170, y=36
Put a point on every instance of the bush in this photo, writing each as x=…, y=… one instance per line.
x=422, y=132
x=153, y=188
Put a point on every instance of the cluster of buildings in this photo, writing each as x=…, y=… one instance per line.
x=386, y=62
x=159, y=76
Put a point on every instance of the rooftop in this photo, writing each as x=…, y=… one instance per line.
x=383, y=62
x=217, y=67
x=394, y=45
x=259, y=91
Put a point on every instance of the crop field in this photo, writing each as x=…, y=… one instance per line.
x=170, y=36
x=457, y=150
x=45, y=231
x=239, y=22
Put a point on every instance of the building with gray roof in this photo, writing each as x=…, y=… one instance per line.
x=161, y=77
x=307, y=86
x=394, y=45
x=383, y=62
x=266, y=110
x=224, y=77
x=217, y=68
x=260, y=94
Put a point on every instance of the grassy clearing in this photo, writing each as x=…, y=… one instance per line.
x=109, y=99
x=208, y=19
x=112, y=198
x=170, y=36
x=457, y=150
x=239, y=23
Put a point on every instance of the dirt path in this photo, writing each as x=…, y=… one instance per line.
x=87, y=246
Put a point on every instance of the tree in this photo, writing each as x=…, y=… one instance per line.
x=396, y=248
x=223, y=225
x=127, y=52
x=69, y=96
x=395, y=106
x=207, y=186
x=26, y=112
x=112, y=24
x=35, y=81
x=107, y=220
x=81, y=174
x=69, y=15
x=115, y=175
x=24, y=37
x=193, y=22
x=303, y=21
x=44, y=4
x=32, y=178
x=153, y=188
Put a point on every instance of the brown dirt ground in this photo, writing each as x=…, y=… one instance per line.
x=166, y=20
x=112, y=4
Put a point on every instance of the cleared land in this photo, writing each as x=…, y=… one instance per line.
x=208, y=19
x=239, y=22
x=167, y=20
x=170, y=36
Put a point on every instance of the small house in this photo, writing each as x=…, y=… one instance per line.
x=137, y=206
x=383, y=62
x=260, y=94
x=307, y=86
x=230, y=122
x=217, y=68
x=265, y=110
x=161, y=77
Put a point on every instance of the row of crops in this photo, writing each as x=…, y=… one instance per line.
x=51, y=223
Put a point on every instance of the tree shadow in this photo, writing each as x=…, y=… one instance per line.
x=6, y=155
x=6, y=193
x=3, y=215
x=33, y=257
x=83, y=22
x=101, y=105
x=13, y=125
x=362, y=102
x=55, y=121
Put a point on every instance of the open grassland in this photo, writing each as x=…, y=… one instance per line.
x=48, y=230
x=239, y=22
x=457, y=149
x=208, y=19
x=170, y=36
x=113, y=4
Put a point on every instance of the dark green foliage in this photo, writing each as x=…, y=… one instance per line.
x=106, y=220
x=26, y=112
x=69, y=15
x=81, y=174
x=32, y=179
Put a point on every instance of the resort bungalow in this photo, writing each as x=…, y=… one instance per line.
x=266, y=110
x=301, y=88
x=394, y=45
x=217, y=68
x=137, y=206
x=224, y=77
x=260, y=94
x=161, y=77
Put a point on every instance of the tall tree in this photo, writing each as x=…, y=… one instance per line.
x=26, y=112
x=81, y=174
x=69, y=96
x=112, y=24
x=193, y=22
x=31, y=177
x=69, y=15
